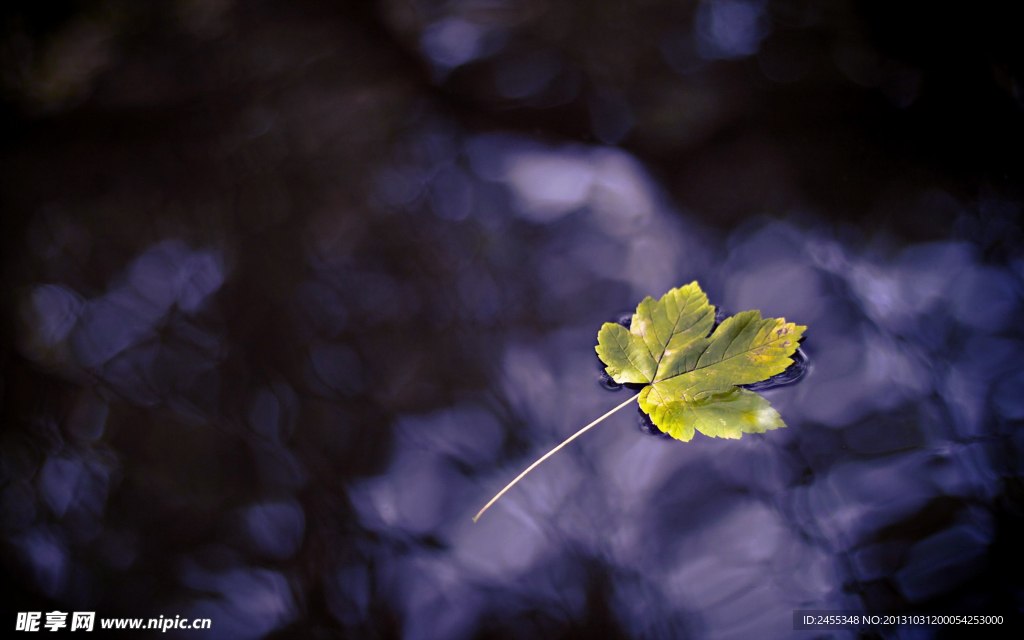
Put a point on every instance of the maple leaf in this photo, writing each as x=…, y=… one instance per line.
x=692, y=376
x=692, y=379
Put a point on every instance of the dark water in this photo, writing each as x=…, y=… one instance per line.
x=295, y=288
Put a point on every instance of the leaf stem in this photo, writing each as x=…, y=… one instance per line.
x=551, y=453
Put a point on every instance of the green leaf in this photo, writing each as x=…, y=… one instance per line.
x=692, y=378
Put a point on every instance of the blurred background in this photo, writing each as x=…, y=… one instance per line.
x=290, y=289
